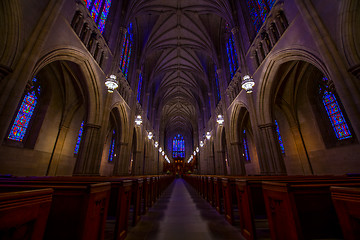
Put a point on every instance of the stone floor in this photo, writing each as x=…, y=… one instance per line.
x=181, y=213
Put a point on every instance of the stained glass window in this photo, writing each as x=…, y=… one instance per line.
x=79, y=138
x=126, y=50
x=279, y=138
x=259, y=9
x=217, y=85
x=246, y=147
x=334, y=112
x=25, y=112
x=231, y=53
x=178, y=147
x=139, y=88
x=112, y=147
x=99, y=8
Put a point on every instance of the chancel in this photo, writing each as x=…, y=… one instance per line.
x=161, y=119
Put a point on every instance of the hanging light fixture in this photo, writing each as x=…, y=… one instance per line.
x=197, y=149
x=138, y=120
x=156, y=144
x=220, y=119
x=150, y=135
x=208, y=135
x=163, y=153
x=160, y=149
x=194, y=153
x=111, y=83
x=201, y=143
x=247, y=83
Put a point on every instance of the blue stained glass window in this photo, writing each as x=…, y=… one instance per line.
x=112, y=147
x=178, y=146
x=88, y=3
x=104, y=15
x=259, y=9
x=334, y=112
x=95, y=11
x=246, y=147
x=126, y=50
x=279, y=137
x=79, y=138
x=139, y=88
x=217, y=85
x=99, y=8
x=25, y=112
x=231, y=53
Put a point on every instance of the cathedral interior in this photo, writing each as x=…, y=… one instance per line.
x=179, y=87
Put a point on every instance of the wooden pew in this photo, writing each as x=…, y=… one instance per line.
x=251, y=203
x=23, y=215
x=122, y=188
x=210, y=181
x=78, y=211
x=347, y=206
x=228, y=193
x=218, y=194
x=302, y=210
x=146, y=194
x=137, y=196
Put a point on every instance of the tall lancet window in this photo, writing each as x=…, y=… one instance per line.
x=246, y=153
x=112, y=146
x=333, y=111
x=178, y=146
x=259, y=9
x=279, y=138
x=76, y=151
x=99, y=10
x=126, y=50
x=29, y=105
x=231, y=53
x=217, y=85
x=139, y=88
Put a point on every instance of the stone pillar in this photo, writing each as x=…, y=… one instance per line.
x=240, y=54
x=118, y=50
x=88, y=161
x=56, y=155
x=237, y=164
x=273, y=36
x=301, y=149
x=219, y=162
x=273, y=155
x=121, y=166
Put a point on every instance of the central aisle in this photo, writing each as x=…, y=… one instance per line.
x=181, y=213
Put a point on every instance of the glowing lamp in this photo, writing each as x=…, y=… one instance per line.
x=220, y=119
x=138, y=120
x=208, y=135
x=247, y=83
x=111, y=83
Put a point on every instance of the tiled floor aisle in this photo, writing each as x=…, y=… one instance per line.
x=181, y=213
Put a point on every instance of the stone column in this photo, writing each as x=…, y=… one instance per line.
x=56, y=155
x=88, y=161
x=301, y=149
x=237, y=165
x=118, y=50
x=275, y=162
x=121, y=166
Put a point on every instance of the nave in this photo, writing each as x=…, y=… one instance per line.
x=181, y=213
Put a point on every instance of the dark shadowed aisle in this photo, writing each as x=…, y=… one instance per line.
x=181, y=213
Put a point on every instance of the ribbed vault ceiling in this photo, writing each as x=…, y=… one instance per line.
x=179, y=42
